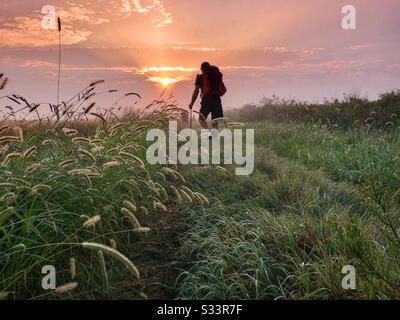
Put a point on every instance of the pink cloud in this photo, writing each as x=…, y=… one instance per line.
x=82, y=14
x=155, y=9
x=360, y=46
x=26, y=31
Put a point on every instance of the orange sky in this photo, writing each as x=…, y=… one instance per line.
x=293, y=48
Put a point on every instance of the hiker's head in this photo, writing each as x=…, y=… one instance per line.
x=204, y=66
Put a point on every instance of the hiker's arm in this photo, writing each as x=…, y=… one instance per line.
x=194, y=96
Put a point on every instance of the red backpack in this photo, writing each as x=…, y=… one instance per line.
x=212, y=83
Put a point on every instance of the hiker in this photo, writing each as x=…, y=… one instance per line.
x=212, y=89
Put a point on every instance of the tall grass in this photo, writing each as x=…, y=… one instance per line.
x=76, y=193
x=319, y=199
x=67, y=184
x=348, y=112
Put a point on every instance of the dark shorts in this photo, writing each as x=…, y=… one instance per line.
x=213, y=106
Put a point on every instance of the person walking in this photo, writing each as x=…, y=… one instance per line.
x=212, y=89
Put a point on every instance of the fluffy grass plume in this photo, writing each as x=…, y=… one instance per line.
x=66, y=287
x=72, y=268
x=116, y=254
x=91, y=222
x=132, y=218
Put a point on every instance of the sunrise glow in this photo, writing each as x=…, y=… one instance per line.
x=171, y=149
x=165, y=81
x=163, y=69
x=261, y=47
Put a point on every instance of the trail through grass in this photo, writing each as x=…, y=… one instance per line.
x=319, y=199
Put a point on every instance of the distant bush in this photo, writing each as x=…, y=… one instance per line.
x=350, y=111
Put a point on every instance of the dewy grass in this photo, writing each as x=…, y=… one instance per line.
x=53, y=176
x=319, y=199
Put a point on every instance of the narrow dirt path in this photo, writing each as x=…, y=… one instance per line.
x=157, y=260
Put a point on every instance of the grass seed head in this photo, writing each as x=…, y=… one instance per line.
x=186, y=195
x=87, y=154
x=144, y=210
x=110, y=164
x=177, y=194
x=9, y=157
x=203, y=197
x=91, y=222
x=67, y=163
x=69, y=132
x=6, y=213
x=6, y=139
x=104, y=270
x=28, y=152
x=7, y=185
x=66, y=287
x=8, y=198
x=116, y=254
x=132, y=218
x=72, y=268
x=32, y=168
x=130, y=205
x=141, y=230
x=80, y=139
x=159, y=205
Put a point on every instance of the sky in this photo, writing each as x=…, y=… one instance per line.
x=293, y=48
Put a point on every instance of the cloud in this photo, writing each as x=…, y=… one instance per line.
x=296, y=52
x=37, y=64
x=194, y=49
x=161, y=69
x=360, y=46
x=26, y=31
x=155, y=9
x=259, y=68
x=81, y=14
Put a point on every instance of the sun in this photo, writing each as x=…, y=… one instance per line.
x=166, y=75
x=165, y=81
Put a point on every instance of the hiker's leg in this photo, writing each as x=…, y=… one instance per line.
x=204, y=112
x=217, y=111
x=203, y=122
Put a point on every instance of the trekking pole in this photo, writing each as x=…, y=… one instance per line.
x=191, y=118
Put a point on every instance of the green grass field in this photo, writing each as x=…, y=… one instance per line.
x=321, y=197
